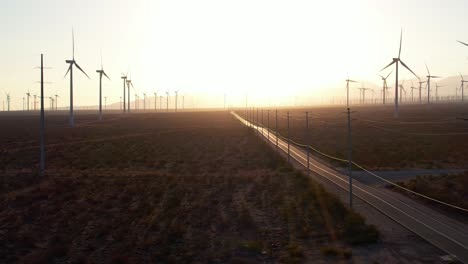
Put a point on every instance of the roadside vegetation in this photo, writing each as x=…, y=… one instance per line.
x=166, y=188
x=449, y=188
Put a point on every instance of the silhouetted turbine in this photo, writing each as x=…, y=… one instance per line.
x=429, y=76
x=70, y=69
x=396, y=61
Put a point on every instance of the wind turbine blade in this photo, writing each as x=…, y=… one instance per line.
x=427, y=68
x=389, y=74
x=461, y=76
x=462, y=43
x=390, y=64
x=79, y=68
x=402, y=63
x=401, y=38
x=106, y=75
x=380, y=76
x=436, y=77
x=67, y=71
x=352, y=81
x=73, y=44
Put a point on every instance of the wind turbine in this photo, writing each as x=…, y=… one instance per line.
x=461, y=42
x=129, y=83
x=402, y=89
x=8, y=101
x=28, y=94
x=420, y=89
x=347, y=91
x=412, y=92
x=56, y=101
x=105, y=102
x=396, y=61
x=34, y=102
x=70, y=69
x=429, y=76
x=51, y=102
x=155, y=100
x=167, y=101
x=144, y=101
x=385, y=86
x=176, y=94
x=437, y=91
x=124, y=78
x=462, y=87
x=362, y=95
x=160, y=102
x=101, y=73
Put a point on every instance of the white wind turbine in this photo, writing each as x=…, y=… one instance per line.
x=70, y=69
x=396, y=61
x=101, y=73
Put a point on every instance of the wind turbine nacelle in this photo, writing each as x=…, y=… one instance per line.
x=70, y=61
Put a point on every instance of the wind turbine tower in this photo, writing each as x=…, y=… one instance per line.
x=429, y=76
x=124, y=78
x=462, y=87
x=28, y=94
x=101, y=73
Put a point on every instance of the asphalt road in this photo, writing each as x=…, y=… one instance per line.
x=443, y=232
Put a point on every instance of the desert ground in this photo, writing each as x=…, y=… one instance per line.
x=165, y=188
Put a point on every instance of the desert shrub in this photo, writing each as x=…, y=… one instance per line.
x=356, y=232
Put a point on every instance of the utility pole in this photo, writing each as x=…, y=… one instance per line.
x=306, y=141
x=288, y=140
x=262, y=120
x=268, y=125
x=350, y=170
x=42, y=125
x=276, y=117
x=257, y=121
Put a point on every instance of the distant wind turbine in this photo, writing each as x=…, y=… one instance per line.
x=101, y=73
x=28, y=94
x=402, y=89
x=155, y=100
x=8, y=101
x=362, y=95
x=429, y=76
x=437, y=91
x=462, y=87
x=129, y=83
x=56, y=101
x=347, y=91
x=144, y=101
x=70, y=69
x=412, y=91
x=124, y=78
x=176, y=95
x=420, y=89
x=385, y=86
x=396, y=61
x=167, y=101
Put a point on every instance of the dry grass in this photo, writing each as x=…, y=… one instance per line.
x=191, y=187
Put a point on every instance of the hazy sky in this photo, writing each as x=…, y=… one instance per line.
x=266, y=48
